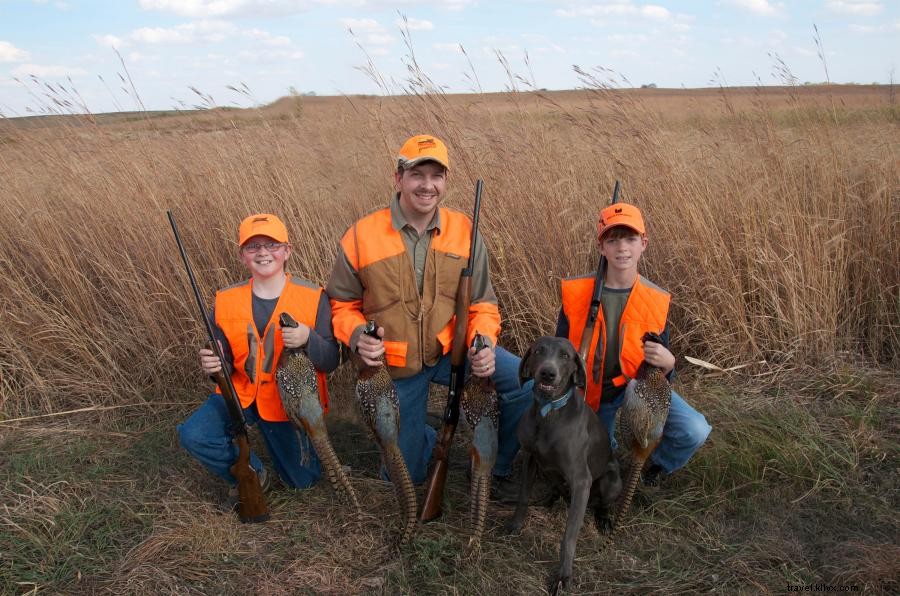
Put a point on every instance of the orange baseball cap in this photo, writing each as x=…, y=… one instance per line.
x=620, y=214
x=262, y=224
x=423, y=148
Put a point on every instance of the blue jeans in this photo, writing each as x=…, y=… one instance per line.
x=207, y=436
x=417, y=439
x=685, y=431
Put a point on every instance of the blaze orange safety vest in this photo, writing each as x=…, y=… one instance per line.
x=646, y=310
x=253, y=372
x=417, y=329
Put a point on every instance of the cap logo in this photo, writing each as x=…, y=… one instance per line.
x=426, y=144
x=259, y=219
x=618, y=211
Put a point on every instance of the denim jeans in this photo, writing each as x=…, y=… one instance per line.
x=417, y=439
x=685, y=431
x=207, y=436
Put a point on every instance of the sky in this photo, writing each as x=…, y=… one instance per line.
x=125, y=55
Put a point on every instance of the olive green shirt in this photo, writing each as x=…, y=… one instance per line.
x=613, y=302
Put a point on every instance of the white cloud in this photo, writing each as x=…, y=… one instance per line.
x=255, y=8
x=188, y=33
x=267, y=38
x=887, y=28
x=225, y=8
x=44, y=71
x=804, y=51
x=760, y=7
x=861, y=8
x=363, y=25
x=448, y=47
x=271, y=55
x=109, y=41
x=369, y=31
x=10, y=53
x=657, y=13
x=622, y=39
x=416, y=24
x=617, y=8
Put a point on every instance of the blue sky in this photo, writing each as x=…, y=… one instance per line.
x=169, y=46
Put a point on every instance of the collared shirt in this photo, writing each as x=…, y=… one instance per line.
x=416, y=245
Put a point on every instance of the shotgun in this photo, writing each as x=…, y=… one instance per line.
x=585, y=345
x=434, y=494
x=252, y=504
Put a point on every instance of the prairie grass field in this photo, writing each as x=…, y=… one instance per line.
x=774, y=219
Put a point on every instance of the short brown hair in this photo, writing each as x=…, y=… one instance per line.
x=617, y=232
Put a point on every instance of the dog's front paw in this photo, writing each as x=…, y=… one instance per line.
x=513, y=527
x=603, y=521
x=558, y=584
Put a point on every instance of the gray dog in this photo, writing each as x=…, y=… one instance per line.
x=563, y=438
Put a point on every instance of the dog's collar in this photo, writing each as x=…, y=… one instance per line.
x=555, y=404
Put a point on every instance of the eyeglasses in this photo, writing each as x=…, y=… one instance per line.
x=254, y=247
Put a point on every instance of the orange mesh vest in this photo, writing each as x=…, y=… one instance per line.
x=255, y=358
x=417, y=329
x=646, y=310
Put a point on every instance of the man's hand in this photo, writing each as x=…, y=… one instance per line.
x=659, y=356
x=484, y=362
x=370, y=349
x=209, y=362
x=295, y=337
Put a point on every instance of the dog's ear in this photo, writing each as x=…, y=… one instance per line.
x=525, y=368
x=579, y=376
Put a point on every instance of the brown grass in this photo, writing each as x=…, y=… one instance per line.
x=773, y=219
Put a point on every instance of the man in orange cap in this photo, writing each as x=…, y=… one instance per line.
x=246, y=323
x=631, y=305
x=401, y=266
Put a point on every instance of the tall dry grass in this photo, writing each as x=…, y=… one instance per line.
x=773, y=219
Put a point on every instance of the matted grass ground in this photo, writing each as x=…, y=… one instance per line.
x=794, y=487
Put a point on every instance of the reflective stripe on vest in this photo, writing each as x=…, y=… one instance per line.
x=417, y=329
x=254, y=358
x=646, y=310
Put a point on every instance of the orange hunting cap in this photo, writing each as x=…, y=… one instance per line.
x=620, y=214
x=262, y=224
x=423, y=148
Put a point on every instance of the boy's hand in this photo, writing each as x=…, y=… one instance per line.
x=659, y=356
x=369, y=348
x=484, y=362
x=209, y=362
x=295, y=337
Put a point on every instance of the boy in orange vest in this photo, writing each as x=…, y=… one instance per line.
x=631, y=306
x=245, y=318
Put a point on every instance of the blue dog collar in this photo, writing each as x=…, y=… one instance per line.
x=556, y=404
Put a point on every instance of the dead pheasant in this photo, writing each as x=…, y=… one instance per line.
x=480, y=406
x=643, y=416
x=298, y=386
x=380, y=408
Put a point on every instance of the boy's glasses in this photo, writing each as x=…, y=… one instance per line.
x=254, y=247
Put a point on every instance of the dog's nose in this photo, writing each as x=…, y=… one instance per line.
x=547, y=375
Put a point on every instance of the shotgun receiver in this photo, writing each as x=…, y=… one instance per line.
x=440, y=459
x=584, y=346
x=252, y=504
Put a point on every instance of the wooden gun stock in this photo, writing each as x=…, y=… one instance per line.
x=440, y=457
